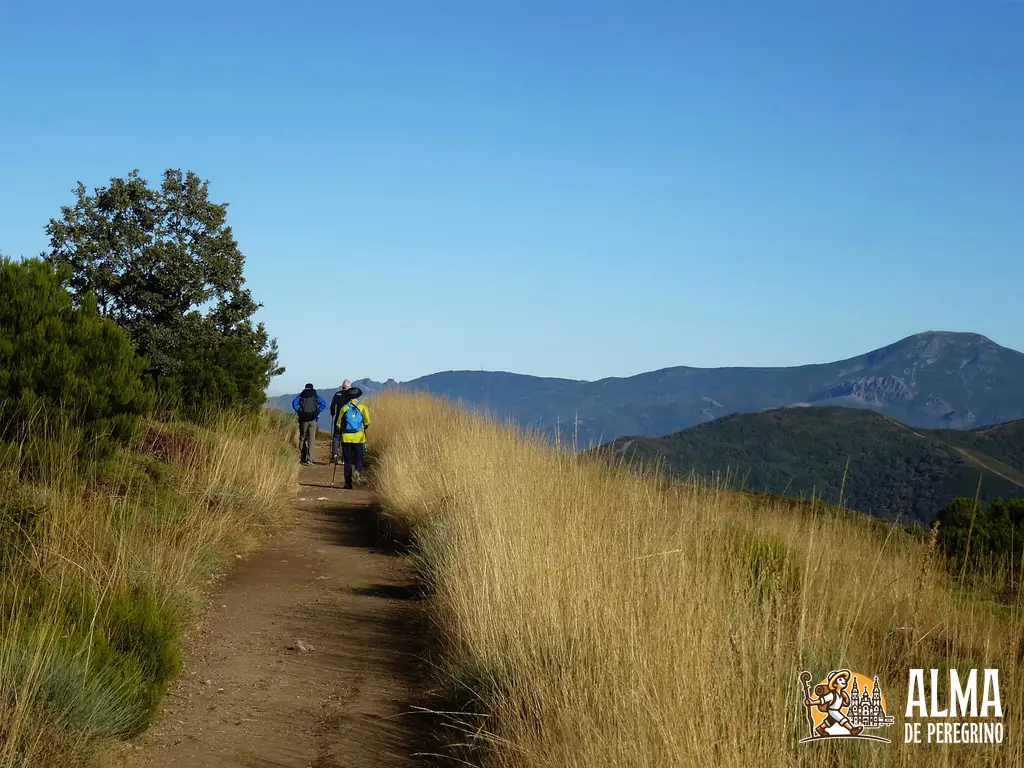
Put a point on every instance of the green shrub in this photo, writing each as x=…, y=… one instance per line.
x=112, y=660
x=124, y=472
x=141, y=646
x=65, y=681
x=62, y=365
x=983, y=535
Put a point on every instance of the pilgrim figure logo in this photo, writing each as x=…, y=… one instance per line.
x=844, y=705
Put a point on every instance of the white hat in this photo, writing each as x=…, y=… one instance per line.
x=835, y=674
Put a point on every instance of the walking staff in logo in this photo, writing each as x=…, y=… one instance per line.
x=308, y=406
x=805, y=678
x=832, y=698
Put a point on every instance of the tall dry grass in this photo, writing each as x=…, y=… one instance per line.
x=590, y=616
x=102, y=568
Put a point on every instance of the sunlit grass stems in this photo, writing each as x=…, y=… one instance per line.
x=103, y=563
x=591, y=615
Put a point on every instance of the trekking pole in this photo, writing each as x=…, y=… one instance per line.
x=334, y=474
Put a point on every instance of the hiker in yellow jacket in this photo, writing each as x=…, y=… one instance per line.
x=353, y=419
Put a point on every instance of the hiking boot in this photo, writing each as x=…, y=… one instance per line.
x=854, y=730
x=334, y=459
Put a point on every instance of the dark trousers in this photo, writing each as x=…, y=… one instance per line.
x=335, y=439
x=352, y=454
x=307, y=438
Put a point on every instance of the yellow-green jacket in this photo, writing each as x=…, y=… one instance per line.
x=352, y=437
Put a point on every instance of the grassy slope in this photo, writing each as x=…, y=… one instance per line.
x=893, y=471
x=1002, y=442
x=588, y=617
x=102, y=569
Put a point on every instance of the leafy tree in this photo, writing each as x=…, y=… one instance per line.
x=61, y=360
x=164, y=264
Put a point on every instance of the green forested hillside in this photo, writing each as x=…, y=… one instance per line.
x=892, y=470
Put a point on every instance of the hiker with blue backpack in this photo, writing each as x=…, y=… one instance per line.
x=351, y=423
x=341, y=397
x=308, y=406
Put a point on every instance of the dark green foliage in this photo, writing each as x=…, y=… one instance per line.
x=894, y=472
x=125, y=473
x=956, y=521
x=61, y=364
x=164, y=264
x=217, y=372
x=983, y=534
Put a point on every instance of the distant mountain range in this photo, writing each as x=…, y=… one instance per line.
x=933, y=380
x=892, y=470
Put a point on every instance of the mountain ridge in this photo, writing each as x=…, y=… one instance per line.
x=932, y=379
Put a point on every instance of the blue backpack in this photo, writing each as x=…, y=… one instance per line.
x=353, y=419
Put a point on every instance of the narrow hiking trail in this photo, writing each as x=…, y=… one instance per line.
x=985, y=465
x=306, y=655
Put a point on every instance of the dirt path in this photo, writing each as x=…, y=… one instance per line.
x=307, y=654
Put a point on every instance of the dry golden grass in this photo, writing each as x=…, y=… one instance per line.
x=588, y=616
x=110, y=566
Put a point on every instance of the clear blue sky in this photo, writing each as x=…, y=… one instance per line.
x=577, y=189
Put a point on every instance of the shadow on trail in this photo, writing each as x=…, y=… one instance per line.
x=393, y=591
x=362, y=526
x=406, y=624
